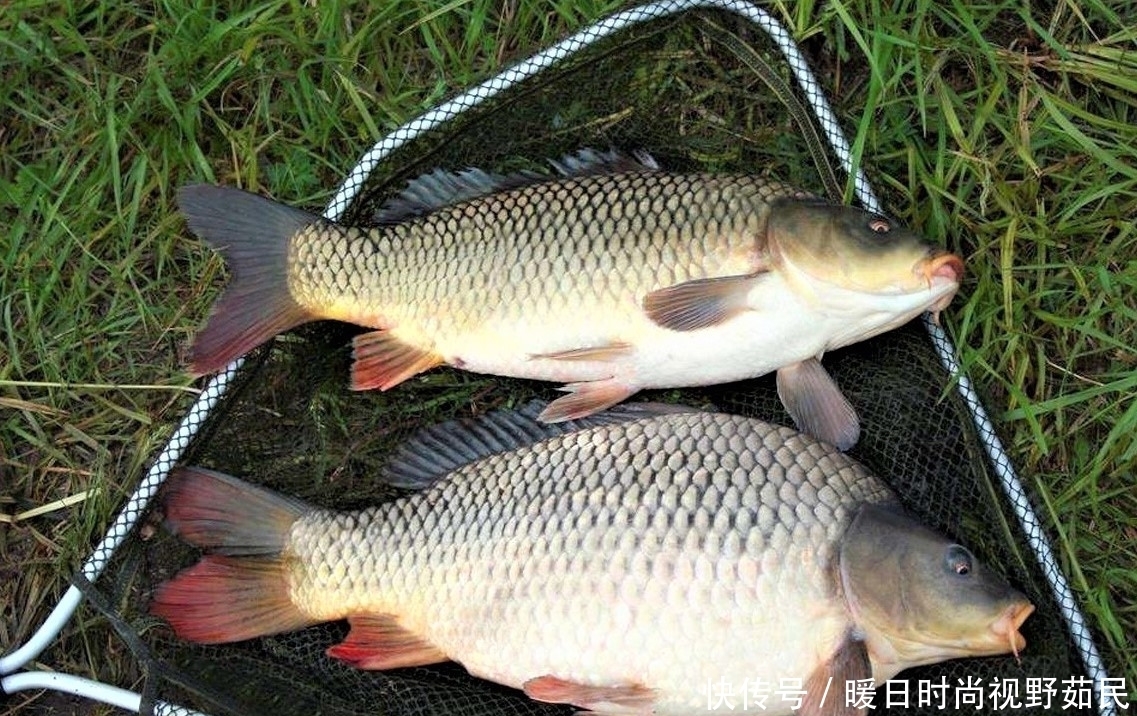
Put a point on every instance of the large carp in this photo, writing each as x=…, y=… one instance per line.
x=623, y=568
x=611, y=278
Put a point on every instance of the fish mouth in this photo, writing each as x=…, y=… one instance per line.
x=943, y=269
x=1006, y=627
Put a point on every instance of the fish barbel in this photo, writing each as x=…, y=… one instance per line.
x=620, y=567
x=612, y=278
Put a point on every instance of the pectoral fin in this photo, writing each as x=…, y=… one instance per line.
x=382, y=361
x=585, y=399
x=825, y=687
x=817, y=405
x=377, y=642
x=621, y=699
x=701, y=303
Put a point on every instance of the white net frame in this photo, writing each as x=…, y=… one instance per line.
x=14, y=678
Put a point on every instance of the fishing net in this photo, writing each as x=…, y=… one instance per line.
x=701, y=90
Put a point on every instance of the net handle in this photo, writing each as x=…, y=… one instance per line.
x=95, y=690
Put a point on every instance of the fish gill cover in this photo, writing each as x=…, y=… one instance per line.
x=691, y=91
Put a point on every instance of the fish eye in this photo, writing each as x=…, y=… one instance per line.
x=879, y=226
x=959, y=560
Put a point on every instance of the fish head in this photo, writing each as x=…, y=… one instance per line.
x=859, y=251
x=918, y=598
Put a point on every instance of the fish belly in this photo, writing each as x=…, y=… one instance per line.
x=782, y=329
x=683, y=624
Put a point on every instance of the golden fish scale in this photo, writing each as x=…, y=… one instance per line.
x=660, y=534
x=535, y=253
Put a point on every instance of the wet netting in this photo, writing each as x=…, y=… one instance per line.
x=698, y=90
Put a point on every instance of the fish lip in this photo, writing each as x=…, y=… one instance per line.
x=940, y=268
x=1006, y=627
x=943, y=264
x=944, y=271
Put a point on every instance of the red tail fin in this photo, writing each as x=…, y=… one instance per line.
x=253, y=234
x=223, y=599
x=229, y=598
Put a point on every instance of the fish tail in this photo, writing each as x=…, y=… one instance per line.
x=240, y=588
x=253, y=234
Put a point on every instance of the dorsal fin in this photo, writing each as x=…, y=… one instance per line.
x=440, y=449
x=440, y=188
x=587, y=162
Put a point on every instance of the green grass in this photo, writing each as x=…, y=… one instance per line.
x=1017, y=147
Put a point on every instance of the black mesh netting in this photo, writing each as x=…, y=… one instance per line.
x=690, y=91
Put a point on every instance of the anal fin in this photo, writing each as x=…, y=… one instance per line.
x=825, y=687
x=382, y=361
x=620, y=699
x=817, y=405
x=376, y=642
x=584, y=399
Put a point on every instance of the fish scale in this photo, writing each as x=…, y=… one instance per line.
x=449, y=263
